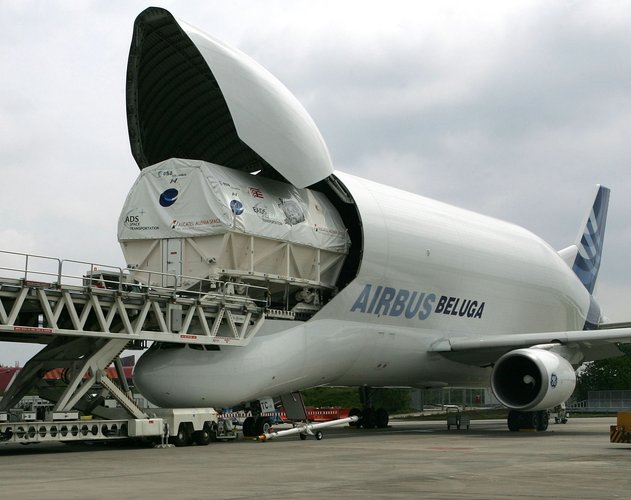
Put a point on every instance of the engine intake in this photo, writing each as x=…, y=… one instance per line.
x=532, y=379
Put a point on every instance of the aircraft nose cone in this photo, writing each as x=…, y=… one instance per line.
x=151, y=378
x=176, y=376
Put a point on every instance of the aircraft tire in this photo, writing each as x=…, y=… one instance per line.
x=532, y=419
x=543, y=421
x=355, y=412
x=249, y=427
x=368, y=419
x=382, y=418
x=514, y=420
x=318, y=435
x=262, y=425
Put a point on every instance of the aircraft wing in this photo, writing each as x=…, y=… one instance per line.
x=589, y=345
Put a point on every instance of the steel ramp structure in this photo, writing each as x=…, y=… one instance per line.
x=84, y=361
x=87, y=319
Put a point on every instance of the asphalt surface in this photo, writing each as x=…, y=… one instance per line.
x=407, y=460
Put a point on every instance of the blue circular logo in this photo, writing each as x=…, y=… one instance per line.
x=169, y=197
x=236, y=206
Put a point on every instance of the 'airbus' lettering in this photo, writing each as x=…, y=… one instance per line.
x=388, y=301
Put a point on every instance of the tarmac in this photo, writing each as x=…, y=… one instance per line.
x=407, y=460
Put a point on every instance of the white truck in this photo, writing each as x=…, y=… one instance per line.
x=164, y=426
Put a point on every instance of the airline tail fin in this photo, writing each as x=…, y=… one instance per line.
x=584, y=256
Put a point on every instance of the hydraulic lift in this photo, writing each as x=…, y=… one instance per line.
x=86, y=320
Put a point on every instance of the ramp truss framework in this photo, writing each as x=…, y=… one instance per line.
x=87, y=319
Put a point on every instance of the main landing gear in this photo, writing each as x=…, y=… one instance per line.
x=255, y=426
x=532, y=420
x=369, y=417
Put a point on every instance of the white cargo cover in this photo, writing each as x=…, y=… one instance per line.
x=189, y=198
x=190, y=95
x=266, y=114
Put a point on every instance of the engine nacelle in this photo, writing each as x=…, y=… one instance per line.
x=532, y=379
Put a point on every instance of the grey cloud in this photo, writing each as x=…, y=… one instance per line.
x=518, y=124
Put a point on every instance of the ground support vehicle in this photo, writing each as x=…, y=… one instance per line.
x=85, y=321
x=621, y=432
x=201, y=426
x=304, y=429
x=180, y=427
x=457, y=418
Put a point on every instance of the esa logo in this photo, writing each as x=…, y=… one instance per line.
x=237, y=207
x=169, y=197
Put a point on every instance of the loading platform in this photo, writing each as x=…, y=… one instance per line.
x=86, y=315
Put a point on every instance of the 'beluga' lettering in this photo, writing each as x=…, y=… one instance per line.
x=469, y=308
x=463, y=308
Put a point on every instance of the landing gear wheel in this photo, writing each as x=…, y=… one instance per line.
x=183, y=436
x=249, y=429
x=302, y=437
x=537, y=420
x=262, y=425
x=513, y=421
x=368, y=420
x=318, y=435
x=382, y=418
x=355, y=412
x=544, y=420
x=533, y=419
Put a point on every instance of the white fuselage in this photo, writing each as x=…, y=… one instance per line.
x=429, y=271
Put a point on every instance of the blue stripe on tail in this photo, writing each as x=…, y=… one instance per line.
x=587, y=262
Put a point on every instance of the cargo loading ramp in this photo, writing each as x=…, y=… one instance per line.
x=87, y=319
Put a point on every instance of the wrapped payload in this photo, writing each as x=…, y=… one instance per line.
x=228, y=221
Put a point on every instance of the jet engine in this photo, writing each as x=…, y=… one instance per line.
x=532, y=379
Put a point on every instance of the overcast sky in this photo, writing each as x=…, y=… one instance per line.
x=512, y=109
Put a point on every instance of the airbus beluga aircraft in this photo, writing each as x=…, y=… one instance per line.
x=366, y=285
